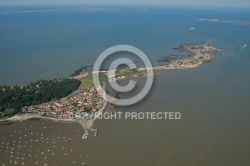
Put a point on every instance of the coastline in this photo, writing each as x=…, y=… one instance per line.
x=197, y=55
x=17, y=118
x=86, y=124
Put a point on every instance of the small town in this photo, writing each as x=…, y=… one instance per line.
x=72, y=107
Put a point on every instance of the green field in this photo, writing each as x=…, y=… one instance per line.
x=8, y=113
x=131, y=73
x=87, y=82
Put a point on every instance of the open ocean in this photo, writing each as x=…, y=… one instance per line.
x=214, y=99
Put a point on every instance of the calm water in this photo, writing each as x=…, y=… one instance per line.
x=213, y=99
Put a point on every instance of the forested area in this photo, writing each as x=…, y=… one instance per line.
x=13, y=98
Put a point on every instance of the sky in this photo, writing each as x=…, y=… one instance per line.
x=225, y=3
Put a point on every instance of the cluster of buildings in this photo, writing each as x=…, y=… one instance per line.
x=201, y=54
x=186, y=63
x=72, y=107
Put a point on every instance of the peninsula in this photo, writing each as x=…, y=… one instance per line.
x=198, y=54
x=85, y=104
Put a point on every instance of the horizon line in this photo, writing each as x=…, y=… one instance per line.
x=122, y=5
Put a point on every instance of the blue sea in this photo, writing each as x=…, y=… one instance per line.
x=48, y=44
x=213, y=99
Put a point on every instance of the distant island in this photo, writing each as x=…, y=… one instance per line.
x=76, y=99
x=73, y=9
x=224, y=21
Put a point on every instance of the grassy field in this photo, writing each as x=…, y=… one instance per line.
x=131, y=73
x=87, y=82
x=8, y=113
